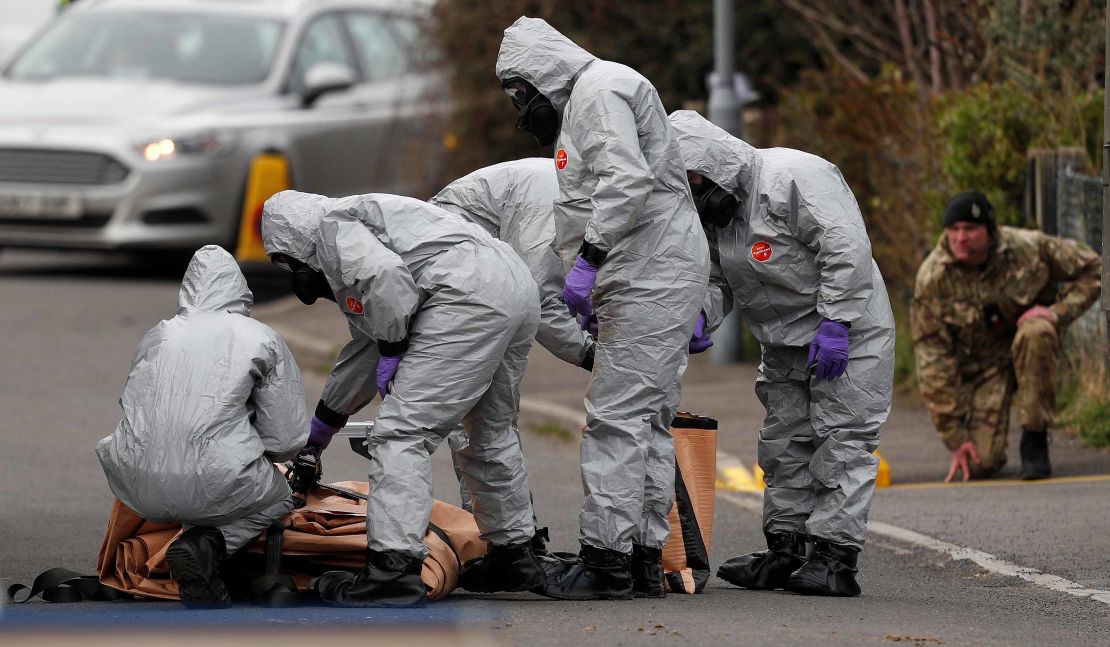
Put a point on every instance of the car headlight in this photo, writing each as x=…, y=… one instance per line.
x=165, y=148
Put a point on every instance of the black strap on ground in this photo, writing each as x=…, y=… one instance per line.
x=274, y=591
x=64, y=585
x=442, y=534
x=697, y=557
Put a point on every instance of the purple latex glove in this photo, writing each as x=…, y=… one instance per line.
x=387, y=368
x=589, y=324
x=320, y=433
x=578, y=286
x=830, y=350
x=700, y=341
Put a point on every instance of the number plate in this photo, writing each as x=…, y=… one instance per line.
x=47, y=206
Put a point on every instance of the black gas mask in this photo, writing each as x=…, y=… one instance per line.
x=308, y=284
x=536, y=113
x=716, y=207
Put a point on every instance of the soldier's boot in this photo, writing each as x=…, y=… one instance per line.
x=389, y=579
x=1034, y=455
x=601, y=574
x=513, y=567
x=647, y=572
x=767, y=569
x=831, y=570
x=194, y=560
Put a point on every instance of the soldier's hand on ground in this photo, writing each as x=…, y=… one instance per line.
x=1037, y=312
x=961, y=458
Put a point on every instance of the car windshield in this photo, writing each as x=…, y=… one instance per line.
x=187, y=47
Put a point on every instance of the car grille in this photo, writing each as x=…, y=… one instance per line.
x=59, y=167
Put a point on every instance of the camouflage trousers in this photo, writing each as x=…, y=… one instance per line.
x=1029, y=382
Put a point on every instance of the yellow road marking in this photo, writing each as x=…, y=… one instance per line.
x=1094, y=478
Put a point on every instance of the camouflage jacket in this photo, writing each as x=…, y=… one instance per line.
x=964, y=318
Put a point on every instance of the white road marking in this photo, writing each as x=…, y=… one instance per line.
x=984, y=560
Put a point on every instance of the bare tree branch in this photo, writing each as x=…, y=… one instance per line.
x=829, y=47
x=906, y=37
x=934, y=50
x=831, y=21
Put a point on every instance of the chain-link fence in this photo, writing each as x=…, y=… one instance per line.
x=1079, y=217
x=1079, y=205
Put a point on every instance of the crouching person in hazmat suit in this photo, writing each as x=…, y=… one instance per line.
x=791, y=252
x=641, y=271
x=442, y=317
x=213, y=399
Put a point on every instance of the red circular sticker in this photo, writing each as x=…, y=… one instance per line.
x=561, y=159
x=354, y=305
x=762, y=251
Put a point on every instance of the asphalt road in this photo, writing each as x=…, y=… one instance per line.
x=69, y=325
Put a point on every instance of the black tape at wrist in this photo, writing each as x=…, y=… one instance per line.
x=393, y=348
x=594, y=255
x=330, y=417
x=588, y=361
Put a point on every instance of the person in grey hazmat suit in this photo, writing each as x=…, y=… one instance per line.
x=791, y=252
x=514, y=202
x=442, y=317
x=641, y=270
x=213, y=399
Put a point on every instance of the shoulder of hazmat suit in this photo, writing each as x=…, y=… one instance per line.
x=213, y=397
x=514, y=201
x=964, y=319
x=798, y=251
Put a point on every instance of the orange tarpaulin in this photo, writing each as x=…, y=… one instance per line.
x=329, y=531
x=686, y=555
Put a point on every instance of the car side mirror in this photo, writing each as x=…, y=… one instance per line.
x=325, y=77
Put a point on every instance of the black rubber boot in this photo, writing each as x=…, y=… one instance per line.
x=503, y=568
x=1034, y=455
x=767, y=569
x=647, y=572
x=539, y=542
x=602, y=574
x=831, y=570
x=390, y=579
x=194, y=560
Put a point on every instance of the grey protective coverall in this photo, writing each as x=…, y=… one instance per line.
x=796, y=253
x=514, y=201
x=622, y=188
x=212, y=400
x=401, y=268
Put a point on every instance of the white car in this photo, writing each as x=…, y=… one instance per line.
x=164, y=124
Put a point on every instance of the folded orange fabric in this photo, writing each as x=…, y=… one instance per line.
x=329, y=531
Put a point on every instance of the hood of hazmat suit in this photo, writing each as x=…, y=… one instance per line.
x=623, y=190
x=514, y=202
x=212, y=400
x=797, y=253
x=407, y=273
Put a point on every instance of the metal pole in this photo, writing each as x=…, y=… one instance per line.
x=1106, y=184
x=724, y=110
x=724, y=105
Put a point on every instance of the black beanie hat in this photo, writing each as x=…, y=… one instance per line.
x=970, y=206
